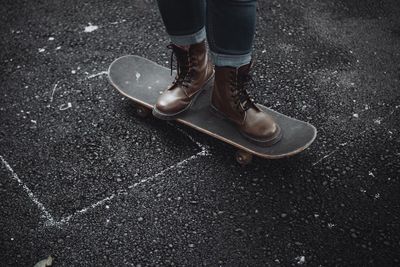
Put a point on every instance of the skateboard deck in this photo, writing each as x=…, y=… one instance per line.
x=142, y=81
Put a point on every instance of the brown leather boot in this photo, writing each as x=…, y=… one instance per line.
x=194, y=71
x=231, y=100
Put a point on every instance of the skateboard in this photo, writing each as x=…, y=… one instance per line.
x=142, y=81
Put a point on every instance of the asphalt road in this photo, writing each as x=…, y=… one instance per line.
x=85, y=180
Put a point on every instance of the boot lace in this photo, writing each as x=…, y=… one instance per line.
x=239, y=84
x=185, y=72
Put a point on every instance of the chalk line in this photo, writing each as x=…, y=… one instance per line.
x=324, y=157
x=97, y=74
x=334, y=151
x=45, y=213
x=50, y=221
x=117, y=22
x=54, y=89
x=204, y=148
x=337, y=149
x=65, y=220
x=204, y=152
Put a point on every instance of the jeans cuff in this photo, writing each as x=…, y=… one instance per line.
x=224, y=60
x=189, y=39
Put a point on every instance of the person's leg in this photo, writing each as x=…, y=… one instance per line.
x=230, y=31
x=184, y=20
x=230, y=34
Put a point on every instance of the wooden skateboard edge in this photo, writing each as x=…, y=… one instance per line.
x=223, y=139
x=240, y=147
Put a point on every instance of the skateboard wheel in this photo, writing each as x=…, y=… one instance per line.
x=243, y=157
x=142, y=112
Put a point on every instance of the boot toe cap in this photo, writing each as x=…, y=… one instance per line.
x=167, y=107
x=168, y=103
x=263, y=131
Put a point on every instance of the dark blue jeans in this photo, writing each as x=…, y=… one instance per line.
x=228, y=24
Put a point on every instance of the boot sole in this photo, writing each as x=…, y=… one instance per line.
x=163, y=116
x=258, y=142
